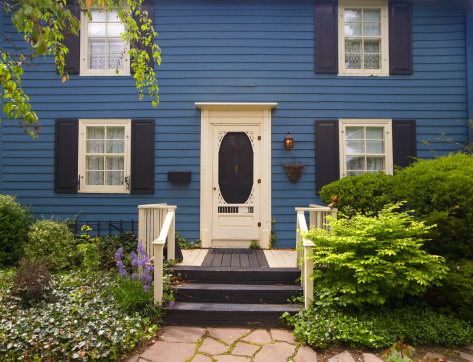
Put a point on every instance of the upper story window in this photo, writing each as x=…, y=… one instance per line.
x=104, y=155
x=365, y=146
x=363, y=38
x=103, y=51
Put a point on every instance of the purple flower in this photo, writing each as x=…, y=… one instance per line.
x=134, y=276
x=141, y=249
x=119, y=253
x=146, y=288
x=171, y=303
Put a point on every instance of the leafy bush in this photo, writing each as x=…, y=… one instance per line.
x=367, y=193
x=108, y=245
x=379, y=326
x=372, y=259
x=50, y=242
x=456, y=292
x=15, y=220
x=79, y=326
x=440, y=190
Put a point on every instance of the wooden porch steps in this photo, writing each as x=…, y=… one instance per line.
x=225, y=296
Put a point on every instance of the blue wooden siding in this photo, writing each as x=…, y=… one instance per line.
x=238, y=51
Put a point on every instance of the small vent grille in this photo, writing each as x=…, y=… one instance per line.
x=235, y=209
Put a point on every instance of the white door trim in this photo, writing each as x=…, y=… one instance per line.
x=258, y=114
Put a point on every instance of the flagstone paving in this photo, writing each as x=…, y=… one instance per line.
x=194, y=344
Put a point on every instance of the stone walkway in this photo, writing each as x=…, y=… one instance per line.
x=181, y=344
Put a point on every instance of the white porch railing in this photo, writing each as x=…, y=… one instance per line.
x=317, y=219
x=156, y=225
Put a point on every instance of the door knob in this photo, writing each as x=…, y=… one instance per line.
x=215, y=188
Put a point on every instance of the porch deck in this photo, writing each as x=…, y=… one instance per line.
x=240, y=258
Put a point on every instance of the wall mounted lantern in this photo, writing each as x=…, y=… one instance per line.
x=289, y=141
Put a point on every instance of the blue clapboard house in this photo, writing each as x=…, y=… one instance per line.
x=358, y=84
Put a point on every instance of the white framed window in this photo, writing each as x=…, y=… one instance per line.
x=104, y=155
x=363, y=44
x=365, y=146
x=103, y=51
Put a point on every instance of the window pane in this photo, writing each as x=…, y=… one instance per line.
x=115, y=61
x=353, y=45
x=355, y=133
x=355, y=173
x=355, y=147
x=375, y=163
x=375, y=133
x=352, y=61
x=374, y=146
x=372, y=29
x=95, y=146
x=355, y=163
x=115, y=163
x=98, y=16
x=97, y=61
x=96, y=29
x=113, y=16
x=352, y=15
x=372, y=61
x=94, y=177
x=352, y=29
x=95, y=133
x=115, y=146
x=115, y=178
x=95, y=163
x=115, y=133
x=372, y=46
x=97, y=46
x=114, y=29
x=116, y=46
x=371, y=15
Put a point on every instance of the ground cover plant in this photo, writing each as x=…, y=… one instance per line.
x=74, y=315
x=378, y=327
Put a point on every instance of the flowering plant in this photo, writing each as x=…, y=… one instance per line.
x=134, y=291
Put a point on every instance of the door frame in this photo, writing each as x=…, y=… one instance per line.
x=258, y=114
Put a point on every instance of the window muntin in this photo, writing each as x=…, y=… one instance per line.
x=365, y=147
x=104, y=155
x=103, y=51
x=363, y=39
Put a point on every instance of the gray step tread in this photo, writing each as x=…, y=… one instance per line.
x=229, y=307
x=240, y=287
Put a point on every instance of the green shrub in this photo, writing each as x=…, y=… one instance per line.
x=379, y=327
x=32, y=281
x=456, y=292
x=367, y=193
x=373, y=259
x=50, y=242
x=108, y=245
x=441, y=192
x=15, y=220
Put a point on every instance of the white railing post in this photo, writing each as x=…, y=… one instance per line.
x=158, y=272
x=172, y=237
x=308, y=270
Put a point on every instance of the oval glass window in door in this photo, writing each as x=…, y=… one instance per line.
x=235, y=168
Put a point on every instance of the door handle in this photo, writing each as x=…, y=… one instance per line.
x=215, y=188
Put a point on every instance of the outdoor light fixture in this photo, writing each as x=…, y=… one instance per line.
x=289, y=141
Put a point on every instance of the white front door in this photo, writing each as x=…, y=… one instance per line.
x=235, y=192
x=235, y=174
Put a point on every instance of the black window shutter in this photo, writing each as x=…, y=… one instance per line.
x=327, y=163
x=326, y=36
x=66, y=150
x=404, y=142
x=142, y=156
x=72, y=42
x=147, y=5
x=400, y=38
